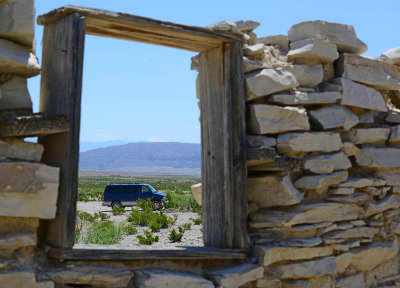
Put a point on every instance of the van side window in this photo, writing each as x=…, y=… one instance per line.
x=115, y=189
x=145, y=189
x=131, y=189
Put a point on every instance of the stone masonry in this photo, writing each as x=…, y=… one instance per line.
x=323, y=186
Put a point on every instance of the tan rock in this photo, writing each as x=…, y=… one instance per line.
x=362, y=182
x=161, y=278
x=321, y=181
x=357, y=232
x=333, y=116
x=304, y=98
x=341, y=191
x=308, y=142
x=279, y=40
x=270, y=283
x=252, y=65
x=350, y=149
x=368, y=71
x=324, y=164
x=392, y=56
x=354, y=281
x=28, y=190
x=236, y=276
x=355, y=198
x=22, y=279
x=15, y=242
x=322, y=282
x=390, y=202
x=343, y=261
x=376, y=191
x=268, y=119
x=343, y=36
x=307, y=75
x=268, y=191
x=15, y=148
x=269, y=81
x=366, y=135
x=14, y=95
x=378, y=157
x=392, y=177
x=17, y=59
x=311, y=50
x=255, y=52
x=394, y=135
x=386, y=269
x=268, y=255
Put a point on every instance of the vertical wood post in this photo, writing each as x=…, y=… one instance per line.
x=60, y=94
x=223, y=135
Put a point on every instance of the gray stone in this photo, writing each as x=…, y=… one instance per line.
x=28, y=190
x=303, y=98
x=268, y=119
x=361, y=96
x=259, y=141
x=16, y=59
x=321, y=181
x=366, y=135
x=246, y=26
x=236, y=276
x=390, y=202
x=306, y=75
x=307, y=214
x=255, y=52
x=341, y=191
x=334, y=116
x=309, y=141
x=279, y=40
x=350, y=149
x=14, y=95
x=393, y=116
x=268, y=191
x=395, y=135
x=368, y=71
x=14, y=242
x=328, y=70
x=15, y=148
x=268, y=255
x=305, y=269
x=376, y=191
x=367, y=117
x=312, y=51
x=161, y=278
x=386, y=269
x=356, y=198
x=358, y=232
x=269, y=81
x=392, y=56
x=354, y=281
x=391, y=177
x=325, y=164
x=224, y=25
x=362, y=182
x=343, y=36
x=378, y=157
x=320, y=282
x=26, y=278
x=251, y=65
x=330, y=87
x=17, y=21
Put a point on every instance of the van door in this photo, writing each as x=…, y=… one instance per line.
x=130, y=195
x=145, y=192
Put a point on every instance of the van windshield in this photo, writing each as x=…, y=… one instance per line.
x=151, y=188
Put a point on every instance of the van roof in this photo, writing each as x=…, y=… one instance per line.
x=127, y=184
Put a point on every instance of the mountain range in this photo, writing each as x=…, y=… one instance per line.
x=144, y=158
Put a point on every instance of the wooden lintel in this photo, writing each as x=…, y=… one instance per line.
x=110, y=24
x=191, y=253
x=34, y=125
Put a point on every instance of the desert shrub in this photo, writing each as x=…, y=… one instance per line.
x=103, y=216
x=181, y=201
x=118, y=211
x=197, y=221
x=147, y=216
x=197, y=210
x=154, y=226
x=184, y=227
x=148, y=238
x=105, y=232
x=175, y=236
x=85, y=216
x=129, y=229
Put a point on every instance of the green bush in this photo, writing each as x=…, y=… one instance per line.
x=175, y=236
x=129, y=229
x=85, y=216
x=154, y=226
x=147, y=216
x=197, y=221
x=77, y=236
x=102, y=216
x=180, y=201
x=106, y=232
x=186, y=226
x=148, y=238
x=118, y=211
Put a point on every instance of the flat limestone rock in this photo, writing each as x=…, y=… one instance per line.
x=341, y=191
x=370, y=256
x=395, y=135
x=24, y=278
x=254, y=52
x=308, y=214
x=366, y=135
x=305, y=269
x=308, y=142
x=358, y=232
x=350, y=149
x=268, y=255
x=334, y=116
x=269, y=81
x=321, y=181
x=320, y=282
x=306, y=75
x=378, y=157
x=325, y=164
x=269, y=119
x=16, y=59
x=353, y=281
x=384, y=270
x=392, y=56
x=361, y=96
x=17, y=149
x=390, y=202
x=260, y=155
x=268, y=191
x=343, y=36
x=362, y=182
x=279, y=40
x=161, y=278
x=270, y=283
x=311, y=50
x=368, y=71
x=251, y=65
x=355, y=198
x=304, y=98
x=391, y=177
x=246, y=26
x=15, y=242
x=236, y=276
x=14, y=95
x=393, y=116
x=28, y=190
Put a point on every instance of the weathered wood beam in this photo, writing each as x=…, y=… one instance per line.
x=34, y=125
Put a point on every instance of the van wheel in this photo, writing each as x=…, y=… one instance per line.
x=157, y=205
x=116, y=204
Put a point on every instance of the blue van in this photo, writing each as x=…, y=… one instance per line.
x=126, y=195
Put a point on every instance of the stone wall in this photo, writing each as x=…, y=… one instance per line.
x=323, y=164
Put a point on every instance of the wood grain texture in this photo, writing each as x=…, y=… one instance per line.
x=157, y=254
x=34, y=125
x=60, y=93
x=141, y=29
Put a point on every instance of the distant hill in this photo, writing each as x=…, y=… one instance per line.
x=86, y=146
x=150, y=158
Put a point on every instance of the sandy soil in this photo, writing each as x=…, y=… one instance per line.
x=191, y=238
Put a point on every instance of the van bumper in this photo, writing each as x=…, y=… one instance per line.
x=108, y=204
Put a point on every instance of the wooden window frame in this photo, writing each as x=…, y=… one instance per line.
x=222, y=101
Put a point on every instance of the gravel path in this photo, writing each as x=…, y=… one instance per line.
x=191, y=238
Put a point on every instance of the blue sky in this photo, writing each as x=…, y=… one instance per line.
x=140, y=92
